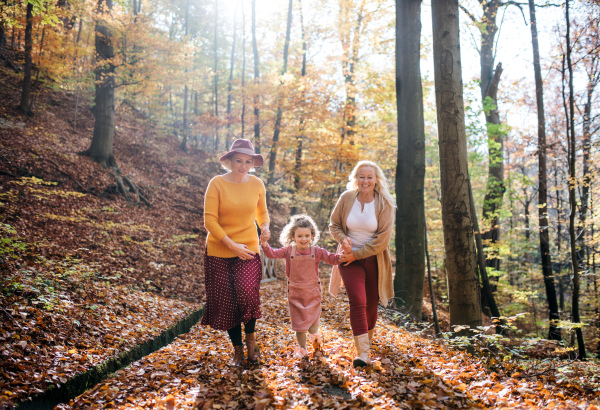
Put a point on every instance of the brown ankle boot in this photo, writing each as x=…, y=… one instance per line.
x=253, y=351
x=238, y=356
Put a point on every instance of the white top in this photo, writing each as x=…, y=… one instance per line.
x=361, y=224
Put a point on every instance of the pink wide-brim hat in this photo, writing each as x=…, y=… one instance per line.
x=243, y=146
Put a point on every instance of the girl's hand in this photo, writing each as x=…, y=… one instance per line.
x=242, y=251
x=347, y=245
x=347, y=258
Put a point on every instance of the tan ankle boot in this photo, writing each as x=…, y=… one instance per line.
x=238, y=356
x=253, y=351
x=363, y=350
x=371, y=333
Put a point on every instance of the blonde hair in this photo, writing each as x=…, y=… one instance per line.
x=298, y=221
x=381, y=186
x=226, y=163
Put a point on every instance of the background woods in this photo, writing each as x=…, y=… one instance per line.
x=489, y=141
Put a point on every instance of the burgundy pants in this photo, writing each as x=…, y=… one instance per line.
x=360, y=279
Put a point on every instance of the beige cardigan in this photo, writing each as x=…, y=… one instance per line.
x=378, y=246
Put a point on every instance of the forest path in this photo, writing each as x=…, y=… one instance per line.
x=409, y=371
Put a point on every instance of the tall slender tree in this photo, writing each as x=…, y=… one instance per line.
x=409, y=281
x=279, y=116
x=243, y=113
x=593, y=77
x=183, y=145
x=216, y=76
x=463, y=286
x=554, y=330
x=26, y=90
x=230, y=82
x=572, y=155
x=257, y=141
x=350, y=29
x=489, y=81
x=300, y=137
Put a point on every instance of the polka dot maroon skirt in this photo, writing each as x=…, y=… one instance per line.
x=232, y=291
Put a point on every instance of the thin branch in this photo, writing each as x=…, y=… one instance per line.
x=519, y=5
x=10, y=316
x=468, y=13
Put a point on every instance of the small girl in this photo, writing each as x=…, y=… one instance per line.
x=302, y=269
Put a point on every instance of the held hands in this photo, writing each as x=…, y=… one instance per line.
x=348, y=256
x=265, y=235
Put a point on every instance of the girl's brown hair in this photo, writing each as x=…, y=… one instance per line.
x=298, y=221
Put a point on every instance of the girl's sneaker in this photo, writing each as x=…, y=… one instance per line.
x=316, y=340
x=299, y=352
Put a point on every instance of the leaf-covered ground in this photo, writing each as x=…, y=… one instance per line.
x=410, y=371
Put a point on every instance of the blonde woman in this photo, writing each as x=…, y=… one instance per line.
x=362, y=222
x=233, y=203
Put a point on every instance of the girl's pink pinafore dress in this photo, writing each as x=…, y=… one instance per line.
x=304, y=291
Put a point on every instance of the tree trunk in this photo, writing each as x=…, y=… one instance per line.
x=486, y=287
x=300, y=137
x=553, y=330
x=279, y=117
x=572, y=155
x=490, y=78
x=26, y=91
x=2, y=29
x=230, y=82
x=101, y=148
x=183, y=145
x=558, y=265
x=586, y=147
x=409, y=281
x=243, y=114
x=216, y=90
x=350, y=49
x=436, y=322
x=256, y=81
x=463, y=287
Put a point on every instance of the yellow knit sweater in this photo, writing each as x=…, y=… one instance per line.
x=230, y=209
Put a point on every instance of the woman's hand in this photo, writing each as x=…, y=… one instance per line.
x=242, y=251
x=347, y=258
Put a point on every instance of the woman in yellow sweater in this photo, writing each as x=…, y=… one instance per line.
x=232, y=266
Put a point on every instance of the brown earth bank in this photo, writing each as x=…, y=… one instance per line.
x=86, y=274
